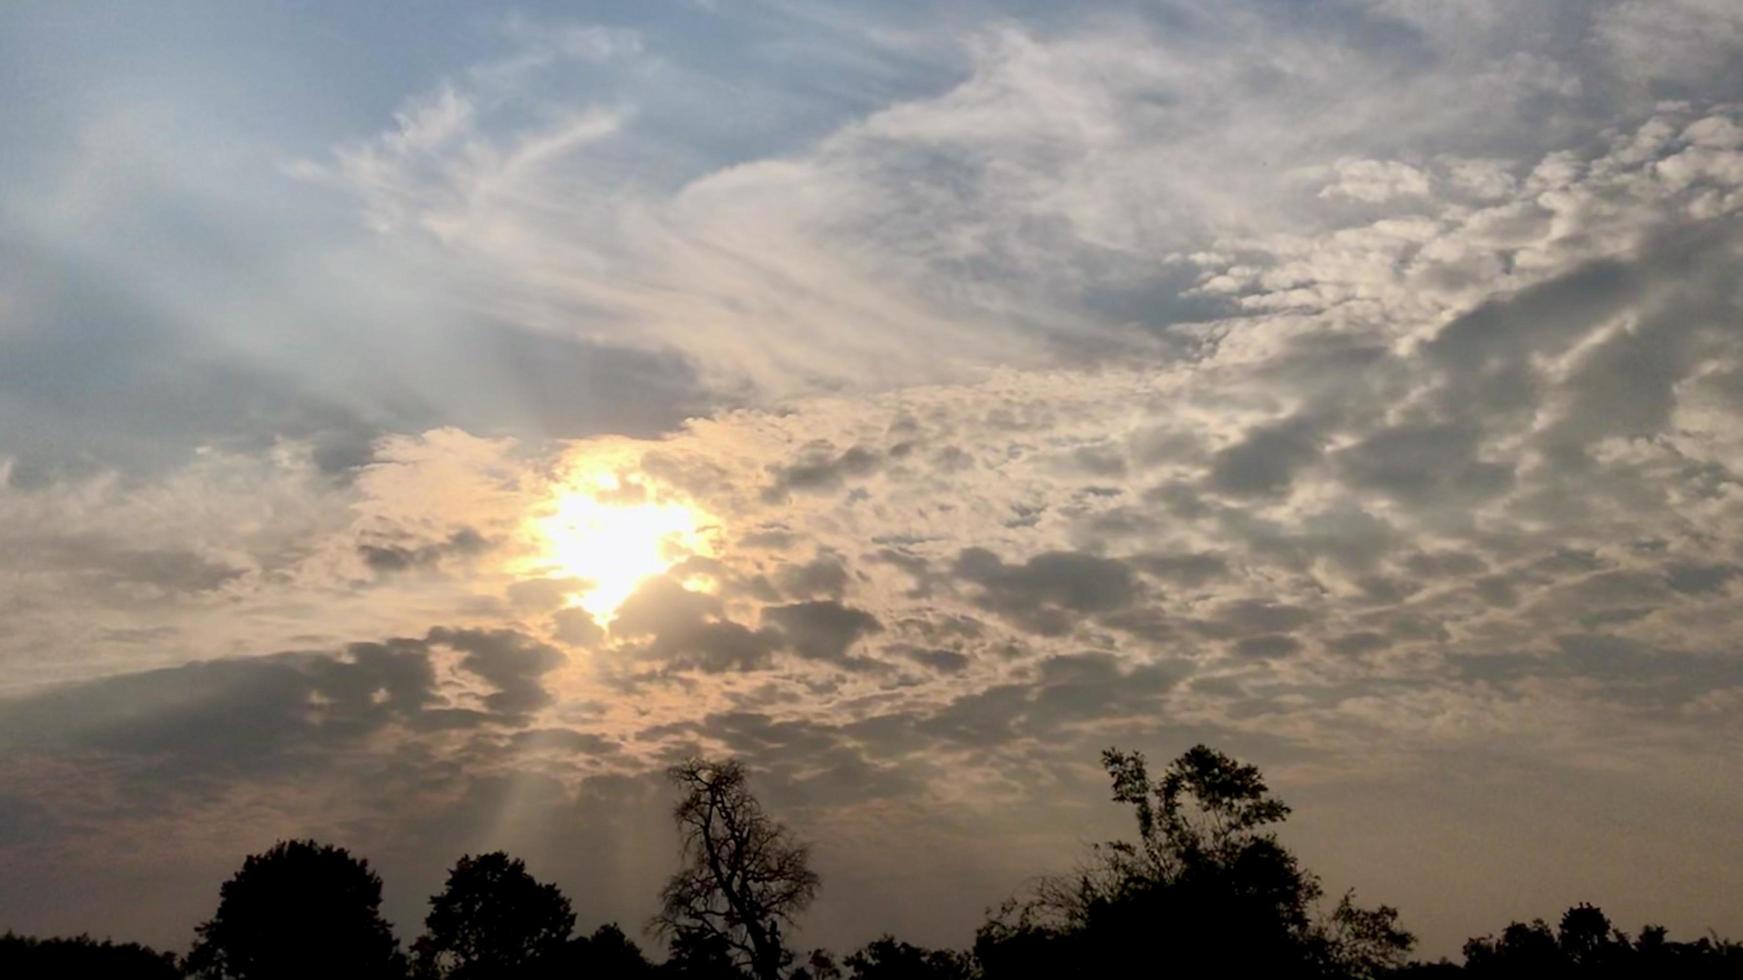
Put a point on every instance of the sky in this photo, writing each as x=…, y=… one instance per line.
x=420, y=425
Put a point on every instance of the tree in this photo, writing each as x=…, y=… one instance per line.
x=1522, y=950
x=608, y=954
x=1205, y=889
x=1585, y=944
x=1587, y=938
x=299, y=910
x=743, y=877
x=820, y=965
x=889, y=959
x=492, y=920
x=696, y=955
x=81, y=956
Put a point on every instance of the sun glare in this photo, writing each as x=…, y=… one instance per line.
x=615, y=535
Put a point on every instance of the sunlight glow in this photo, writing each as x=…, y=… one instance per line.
x=615, y=534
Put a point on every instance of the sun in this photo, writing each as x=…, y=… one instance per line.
x=616, y=532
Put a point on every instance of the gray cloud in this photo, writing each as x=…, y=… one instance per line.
x=818, y=469
x=686, y=630
x=1051, y=592
x=822, y=629
x=389, y=557
x=1265, y=461
x=194, y=724
x=509, y=660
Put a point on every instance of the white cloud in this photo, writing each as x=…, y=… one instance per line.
x=1375, y=181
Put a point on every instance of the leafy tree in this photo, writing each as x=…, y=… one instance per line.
x=820, y=965
x=1206, y=888
x=1585, y=944
x=1026, y=940
x=27, y=957
x=298, y=910
x=1521, y=950
x=743, y=877
x=697, y=955
x=492, y=920
x=608, y=954
x=888, y=959
x=1363, y=943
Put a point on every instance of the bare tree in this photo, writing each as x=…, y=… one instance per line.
x=743, y=875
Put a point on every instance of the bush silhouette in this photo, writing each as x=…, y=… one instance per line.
x=299, y=910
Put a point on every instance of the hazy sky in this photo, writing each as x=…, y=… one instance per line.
x=419, y=424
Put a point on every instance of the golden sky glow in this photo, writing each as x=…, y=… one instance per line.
x=616, y=533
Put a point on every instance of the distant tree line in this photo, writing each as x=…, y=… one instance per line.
x=1204, y=890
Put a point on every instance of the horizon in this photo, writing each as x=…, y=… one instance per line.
x=418, y=431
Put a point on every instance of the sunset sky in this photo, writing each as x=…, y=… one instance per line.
x=420, y=424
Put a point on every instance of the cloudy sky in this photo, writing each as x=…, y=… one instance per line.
x=419, y=425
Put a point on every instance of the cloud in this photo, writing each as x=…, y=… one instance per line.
x=398, y=558
x=509, y=660
x=1263, y=462
x=822, y=629
x=1376, y=181
x=1051, y=590
x=188, y=726
x=819, y=469
x=687, y=630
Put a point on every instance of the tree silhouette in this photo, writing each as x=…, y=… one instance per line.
x=697, y=955
x=889, y=959
x=819, y=965
x=607, y=954
x=492, y=920
x=1522, y=949
x=1585, y=944
x=1206, y=888
x=743, y=876
x=299, y=910
x=26, y=958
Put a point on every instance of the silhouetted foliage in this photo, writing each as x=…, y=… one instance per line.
x=697, y=955
x=743, y=877
x=820, y=965
x=608, y=954
x=1206, y=888
x=29, y=958
x=1585, y=944
x=299, y=910
x=888, y=959
x=492, y=920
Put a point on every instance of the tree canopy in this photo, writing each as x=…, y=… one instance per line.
x=300, y=909
x=25, y=958
x=492, y=920
x=1206, y=887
